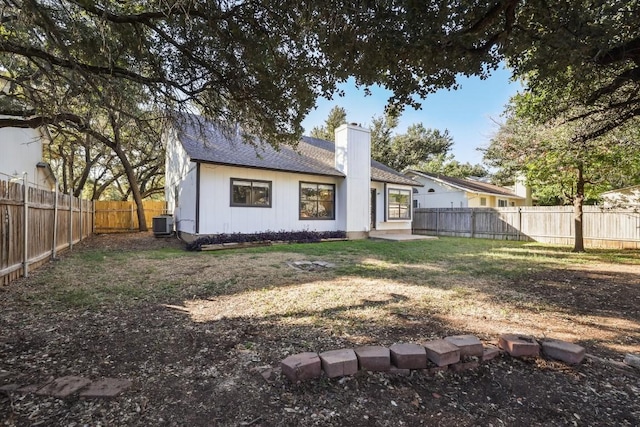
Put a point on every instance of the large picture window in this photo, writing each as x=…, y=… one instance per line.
x=398, y=203
x=317, y=201
x=246, y=192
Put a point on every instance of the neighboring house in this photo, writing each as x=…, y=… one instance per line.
x=441, y=191
x=628, y=197
x=216, y=183
x=22, y=152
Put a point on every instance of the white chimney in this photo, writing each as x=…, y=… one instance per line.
x=353, y=158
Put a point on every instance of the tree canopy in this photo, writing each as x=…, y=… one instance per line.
x=560, y=164
x=410, y=149
x=337, y=116
x=446, y=164
x=416, y=146
x=263, y=64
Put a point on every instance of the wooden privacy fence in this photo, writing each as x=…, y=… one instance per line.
x=35, y=227
x=603, y=228
x=119, y=217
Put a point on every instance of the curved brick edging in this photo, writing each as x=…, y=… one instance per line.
x=458, y=353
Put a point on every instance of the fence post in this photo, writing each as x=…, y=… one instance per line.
x=519, y=236
x=25, y=250
x=437, y=225
x=80, y=203
x=55, y=223
x=473, y=223
x=70, y=222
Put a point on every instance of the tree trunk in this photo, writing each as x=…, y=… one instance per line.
x=88, y=164
x=133, y=185
x=129, y=172
x=578, y=202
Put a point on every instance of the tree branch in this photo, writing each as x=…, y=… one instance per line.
x=31, y=52
x=629, y=50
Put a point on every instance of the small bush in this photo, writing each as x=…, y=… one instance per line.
x=274, y=236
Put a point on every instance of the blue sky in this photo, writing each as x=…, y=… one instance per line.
x=466, y=112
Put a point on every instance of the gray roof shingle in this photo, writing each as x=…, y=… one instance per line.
x=204, y=142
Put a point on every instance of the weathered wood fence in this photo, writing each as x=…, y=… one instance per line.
x=603, y=228
x=120, y=217
x=35, y=224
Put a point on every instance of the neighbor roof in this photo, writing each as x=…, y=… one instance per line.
x=467, y=184
x=207, y=143
x=622, y=190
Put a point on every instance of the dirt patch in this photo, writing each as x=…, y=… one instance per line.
x=196, y=332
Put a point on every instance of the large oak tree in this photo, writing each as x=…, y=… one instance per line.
x=560, y=164
x=261, y=64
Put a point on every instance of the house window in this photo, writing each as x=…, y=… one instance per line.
x=483, y=201
x=431, y=190
x=398, y=204
x=245, y=192
x=502, y=203
x=415, y=204
x=317, y=201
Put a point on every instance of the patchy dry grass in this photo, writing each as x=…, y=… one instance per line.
x=205, y=320
x=479, y=286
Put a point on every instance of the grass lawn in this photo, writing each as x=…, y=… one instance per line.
x=193, y=330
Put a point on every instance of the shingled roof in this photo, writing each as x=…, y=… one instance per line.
x=206, y=143
x=468, y=185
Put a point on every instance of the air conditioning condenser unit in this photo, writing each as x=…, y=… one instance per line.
x=163, y=225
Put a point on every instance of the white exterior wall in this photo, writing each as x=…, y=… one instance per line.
x=218, y=216
x=443, y=196
x=381, y=208
x=353, y=158
x=21, y=152
x=180, y=183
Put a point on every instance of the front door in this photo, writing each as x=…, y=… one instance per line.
x=373, y=208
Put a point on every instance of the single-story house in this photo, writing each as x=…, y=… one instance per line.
x=628, y=197
x=217, y=183
x=22, y=153
x=439, y=191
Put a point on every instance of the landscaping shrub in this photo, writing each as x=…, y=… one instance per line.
x=274, y=236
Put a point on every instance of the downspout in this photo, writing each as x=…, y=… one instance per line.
x=197, y=198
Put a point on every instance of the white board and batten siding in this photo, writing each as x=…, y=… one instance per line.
x=180, y=185
x=21, y=153
x=353, y=158
x=218, y=216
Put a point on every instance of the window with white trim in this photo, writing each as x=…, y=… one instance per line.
x=398, y=203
